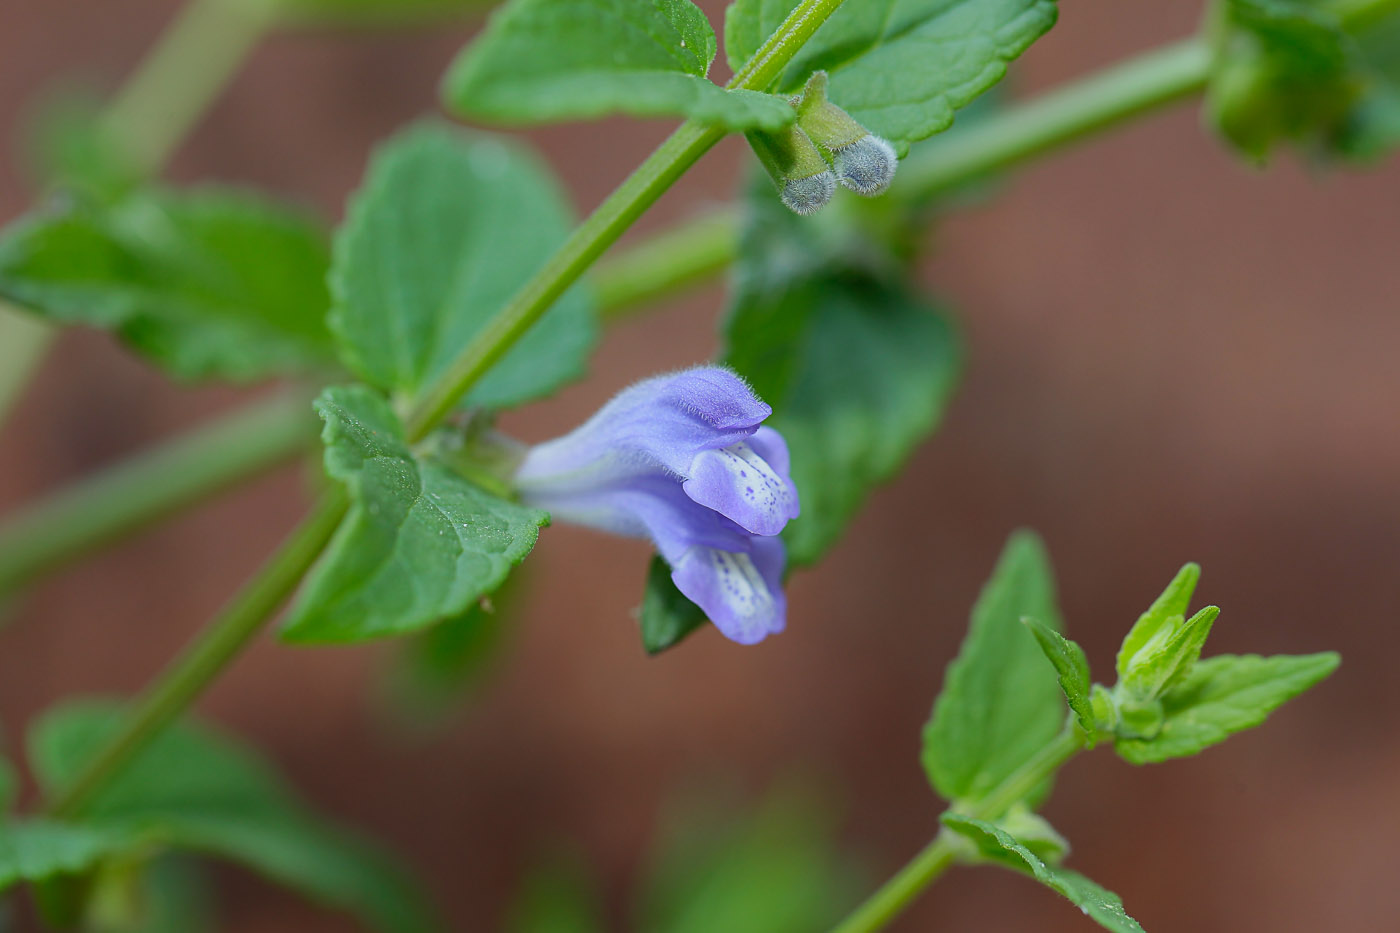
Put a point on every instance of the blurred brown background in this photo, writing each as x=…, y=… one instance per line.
x=1173, y=357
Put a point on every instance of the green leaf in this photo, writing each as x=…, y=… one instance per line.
x=547, y=60
x=206, y=283
x=1035, y=833
x=9, y=789
x=378, y=13
x=1001, y=703
x=447, y=227
x=1224, y=695
x=1102, y=906
x=191, y=788
x=420, y=543
x=1158, y=666
x=857, y=368
x=776, y=870
x=69, y=149
x=900, y=69
x=34, y=850
x=1072, y=669
x=667, y=616
x=1294, y=71
x=1156, y=624
x=557, y=897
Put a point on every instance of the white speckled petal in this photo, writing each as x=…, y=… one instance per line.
x=743, y=487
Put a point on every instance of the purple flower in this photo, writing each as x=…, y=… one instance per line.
x=682, y=459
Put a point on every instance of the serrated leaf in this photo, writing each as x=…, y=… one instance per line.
x=446, y=228
x=1072, y=670
x=857, y=368
x=1099, y=904
x=421, y=543
x=35, y=850
x=206, y=283
x=1157, y=622
x=901, y=69
x=1001, y=702
x=190, y=788
x=1224, y=695
x=667, y=616
x=548, y=60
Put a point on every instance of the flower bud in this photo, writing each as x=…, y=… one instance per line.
x=864, y=162
x=803, y=178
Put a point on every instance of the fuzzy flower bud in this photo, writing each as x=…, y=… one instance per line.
x=864, y=162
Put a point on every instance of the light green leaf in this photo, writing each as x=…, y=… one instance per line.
x=857, y=368
x=900, y=68
x=1224, y=695
x=447, y=227
x=1102, y=906
x=667, y=616
x=776, y=870
x=33, y=850
x=1159, y=665
x=548, y=60
x=206, y=283
x=1072, y=669
x=1001, y=702
x=1035, y=833
x=420, y=544
x=190, y=788
x=1156, y=624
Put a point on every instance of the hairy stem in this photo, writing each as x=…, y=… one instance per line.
x=910, y=881
x=151, y=485
x=209, y=654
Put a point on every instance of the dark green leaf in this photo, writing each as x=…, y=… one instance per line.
x=447, y=227
x=420, y=544
x=548, y=60
x=373, y=12
x=1001, y=702
x=1224, y=695
x=857, y=368
x=900, y=69
x=204, y=283
x=776, y=870
x=667, y=616
x=1072, y=668
x=190, y=788
x=1102, y=906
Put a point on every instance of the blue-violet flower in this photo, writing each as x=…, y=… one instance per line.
x=682, y=459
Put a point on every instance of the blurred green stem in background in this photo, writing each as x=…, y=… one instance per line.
x=938, y=856
x=154, y=110
x=153, y=484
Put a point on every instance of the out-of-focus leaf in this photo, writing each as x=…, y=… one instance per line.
x=192, y=789
x=557, y=898
x=549, y=60
x=420, y=544
x=446, y=228
x=1224, y=695
x=667, y=616
x=1001, y=702
x=38, y=849
x=378, y=13
x=1099, y=904
x=206, y=283
x=69, y=150
x=901, y=69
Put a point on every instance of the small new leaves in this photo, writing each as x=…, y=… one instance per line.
x=1163, y=644
x=997, y=845
x=1000, y=703
x=1072, y=668
x=547, y=60
x=446, y=228
x=420, y=544
x=1224, y=695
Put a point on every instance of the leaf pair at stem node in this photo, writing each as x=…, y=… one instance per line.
x=807, y=158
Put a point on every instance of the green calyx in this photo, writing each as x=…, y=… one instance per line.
x=803, y=177
x=830, y=127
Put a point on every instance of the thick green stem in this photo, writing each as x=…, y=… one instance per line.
x=140, y=491
x=209, y=654
x=178, y=80
x=901, y=890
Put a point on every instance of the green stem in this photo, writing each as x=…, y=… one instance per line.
x=177, y=81
x=602, y=228
x=209, y=654
x=910, y=881
x=666, y=263
x=23, y=340
x=156, y=483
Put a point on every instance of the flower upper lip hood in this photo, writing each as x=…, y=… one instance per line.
x=682, y=459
